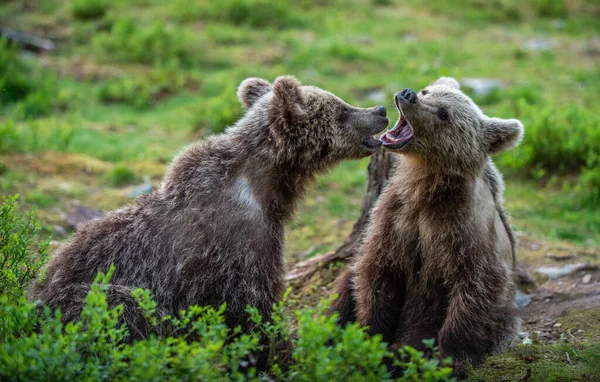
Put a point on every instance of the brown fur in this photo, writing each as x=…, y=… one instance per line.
x=214, y=231
x=438, y=256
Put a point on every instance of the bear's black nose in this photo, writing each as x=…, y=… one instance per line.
x=381, y=111
x=407, y=95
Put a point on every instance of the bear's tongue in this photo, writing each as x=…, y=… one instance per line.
x=399, y=135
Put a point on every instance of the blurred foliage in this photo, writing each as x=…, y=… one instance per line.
x=22, y=81
x=141, y=91
x=128, y=41
x=89, y=9
x=121, y=175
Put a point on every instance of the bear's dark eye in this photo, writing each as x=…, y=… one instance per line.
x=442, y=114
x=424, y=92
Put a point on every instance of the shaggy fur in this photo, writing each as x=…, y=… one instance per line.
x=437, y=259
x=214, y=231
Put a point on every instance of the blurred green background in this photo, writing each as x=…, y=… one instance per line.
x=131, y=83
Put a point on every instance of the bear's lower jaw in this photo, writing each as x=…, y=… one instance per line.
x=400, y=135
x=372, y=142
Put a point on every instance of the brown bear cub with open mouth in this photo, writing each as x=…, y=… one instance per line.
x=214, y=231
x=437, y=259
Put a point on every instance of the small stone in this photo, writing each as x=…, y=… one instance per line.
x=376, y=95
x=364, y=40
x=522, y=299
x=538, y=45
x=586, y=279
x=554, y=273
x=557, y=325
x=409, y=37
x=59, y=231
x=482, y=86
x=142, y=189
x=534, y=246
x=558, y=24
x=80, y=214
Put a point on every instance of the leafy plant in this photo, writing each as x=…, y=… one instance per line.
x=128, y=41
x=89, y=9
x=24, y=82
x=19, y=261
x=120, y=175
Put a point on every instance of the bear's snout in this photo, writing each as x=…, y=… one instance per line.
x=381, y=111
x=406, y=95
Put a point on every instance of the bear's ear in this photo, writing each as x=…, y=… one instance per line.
x=502, y=134
x=447, y=81
x=251, y=89
x=287, y=103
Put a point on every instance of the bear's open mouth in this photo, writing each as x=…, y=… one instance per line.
x=399, y=135
x=372, y=142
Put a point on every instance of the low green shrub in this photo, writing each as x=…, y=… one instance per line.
x=120, y=175
x=89, y=9
x=130, y=41
x=143, y=91
x=24, y=82
x=511, y=10
x=558, y=142
x=218, y=112
x=277, y=14
x=35, y=136
x=20, y=259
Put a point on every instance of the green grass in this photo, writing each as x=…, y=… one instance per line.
x=158, y=76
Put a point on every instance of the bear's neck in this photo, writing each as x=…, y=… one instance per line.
x=277, y=185
x=420, y=181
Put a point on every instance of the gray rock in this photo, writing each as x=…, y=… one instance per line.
x=586, y=279
x=538, y=45
x=482, y=86
x=522, y=299
x=555, y=273
x=80, y=214
x=59, y=231
x=142, y=189
x=376, y=95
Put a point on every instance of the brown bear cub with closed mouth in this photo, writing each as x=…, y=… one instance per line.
x=214, y=231
x=437, y=259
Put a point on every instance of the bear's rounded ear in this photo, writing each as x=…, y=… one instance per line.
x=287, y=102
x=251, y=89
x=447, y=81
x=502, y=134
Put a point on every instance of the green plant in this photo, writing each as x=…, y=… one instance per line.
x=218, y=112
x=256, y=13
x=128, y=41
x=19, y=260
x=143, y=91
x=89, y=9
x=120, y=175
x=34, y=136
x=417, y=367
x=24, y=82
